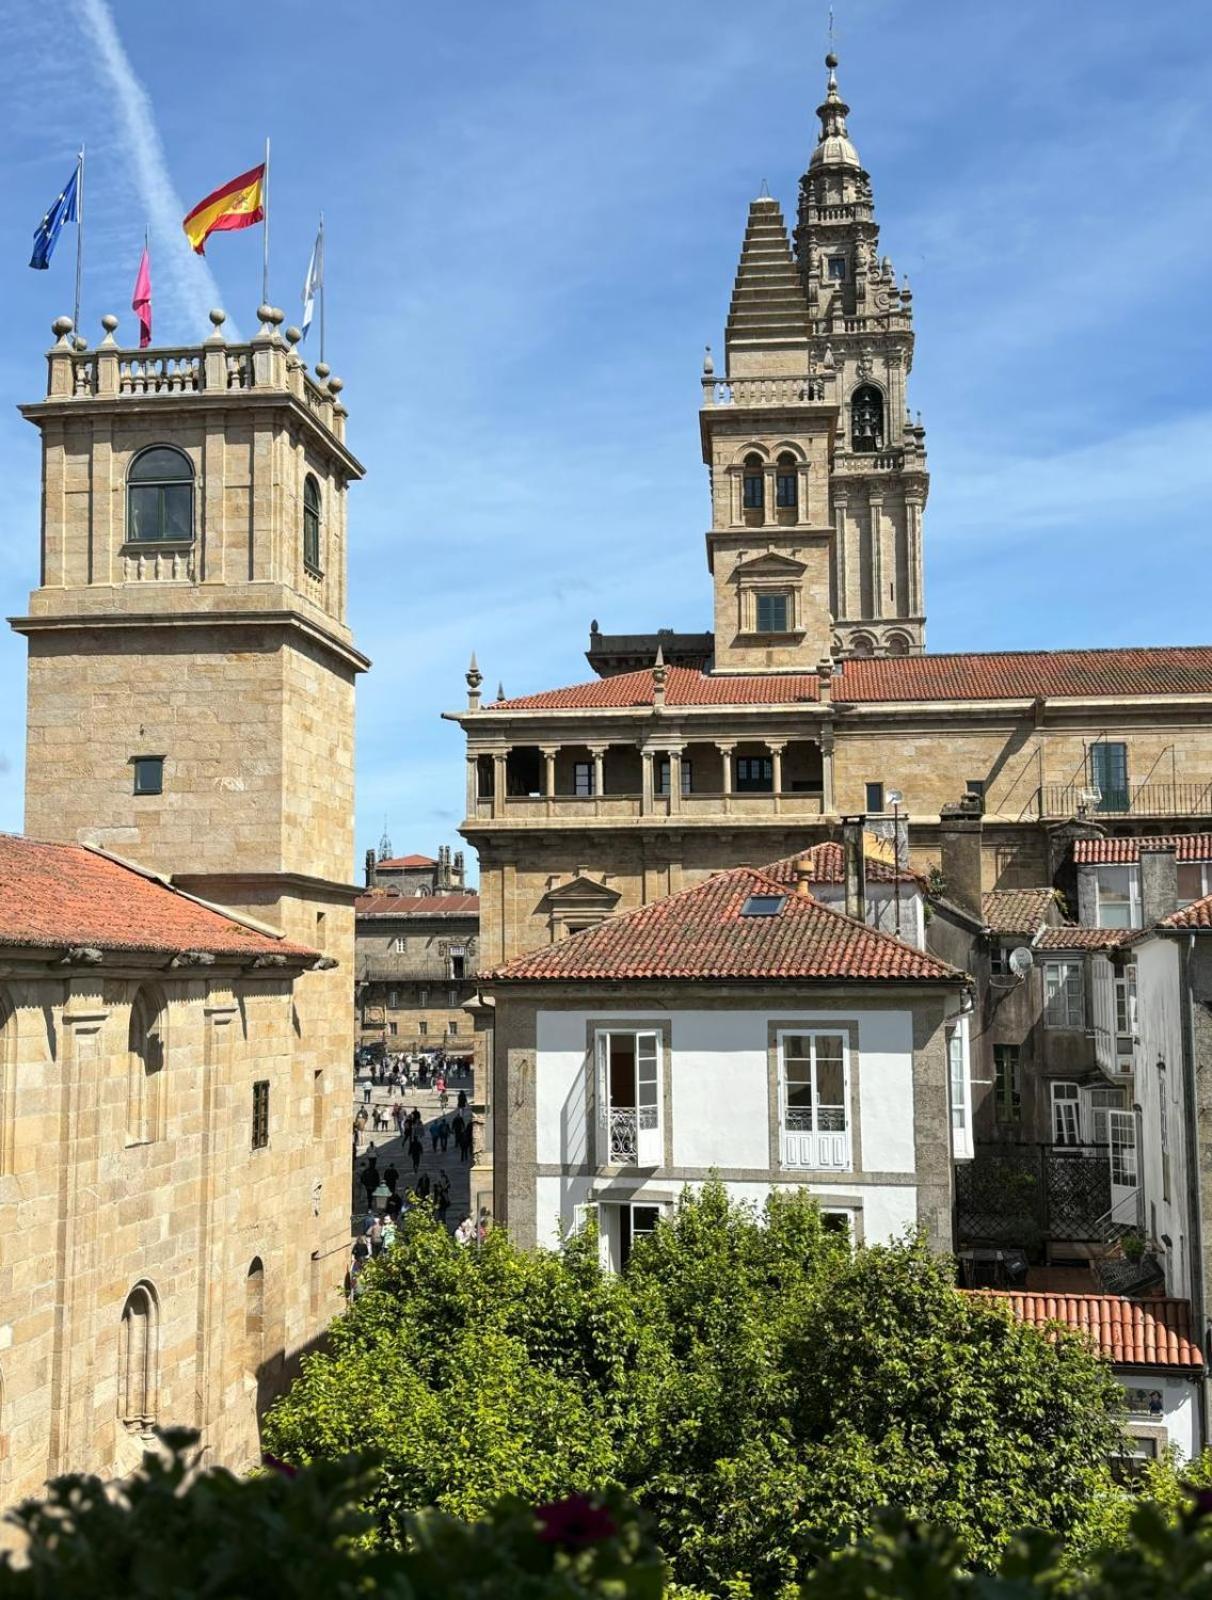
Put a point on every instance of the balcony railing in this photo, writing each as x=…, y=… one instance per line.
x=1061, y=800
x=624, y=1138
x=700, y=803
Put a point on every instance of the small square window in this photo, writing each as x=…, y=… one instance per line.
x=763, y=905
x=772, y=613
x=260, y=1114
x=837, y=268
x=875, y=797
x=422, y=1026
x=149, y=774
x=453, y=1025
x=975, y=786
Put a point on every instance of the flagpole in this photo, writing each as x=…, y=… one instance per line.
x=79, y=233
x=322, y=292
x=265, y=263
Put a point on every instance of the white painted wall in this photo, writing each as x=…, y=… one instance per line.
x=1180, y=1406
x=1159, y=1021
x=882, y=907
x=720, y=1111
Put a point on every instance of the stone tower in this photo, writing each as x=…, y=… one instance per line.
x=818, y=474
x=191, y=670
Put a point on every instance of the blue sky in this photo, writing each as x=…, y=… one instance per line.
x=534, y=215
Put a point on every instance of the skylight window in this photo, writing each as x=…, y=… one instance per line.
x=763, y=905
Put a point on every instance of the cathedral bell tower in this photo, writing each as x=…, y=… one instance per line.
x=818, y=476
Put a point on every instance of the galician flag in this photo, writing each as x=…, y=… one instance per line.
x=140, y=302
x=314, y=282
x=238, y=204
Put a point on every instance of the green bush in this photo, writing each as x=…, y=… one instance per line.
x=751, y=1383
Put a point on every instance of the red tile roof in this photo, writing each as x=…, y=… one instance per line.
x=1006, y=675
x=64, y=895
x=701, y=933
x=1197, y=915
x=827, y=864
x=383, y=903
x=408, y=861
x=1131, y=1333
x=1071, y=938
x=1117, y=851
x=1022, y=911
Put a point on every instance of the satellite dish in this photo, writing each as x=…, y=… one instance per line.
x=1021, y=961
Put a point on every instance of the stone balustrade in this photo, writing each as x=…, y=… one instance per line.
x=767, y=391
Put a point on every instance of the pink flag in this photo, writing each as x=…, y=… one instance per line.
x=141, y=300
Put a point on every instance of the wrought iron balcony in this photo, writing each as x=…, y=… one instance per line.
x=1062, y=800
x=624, y=1142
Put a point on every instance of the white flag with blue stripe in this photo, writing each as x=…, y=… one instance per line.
x=314, y=283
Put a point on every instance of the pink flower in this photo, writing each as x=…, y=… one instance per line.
x=283, y=1467
x=576, y=1523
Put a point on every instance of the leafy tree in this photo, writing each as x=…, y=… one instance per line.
x=754, y=1385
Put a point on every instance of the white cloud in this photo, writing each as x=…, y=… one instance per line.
x=180, y=278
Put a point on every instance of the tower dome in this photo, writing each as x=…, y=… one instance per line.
x=834, y=148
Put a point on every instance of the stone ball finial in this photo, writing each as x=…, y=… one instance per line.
x=831, y=61
x=322, y=369
x=218, y=317
x=276, y=316
x=708, y=363
x=80, y=342
x=109, y=322
x=293, y=335
x=335, y=385
x=265, y=313
x=61, y=326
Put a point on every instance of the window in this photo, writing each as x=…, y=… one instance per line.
x=814, y=1100
x=582, y=777
x=1125, y=1003
x=422, y=1027
x=149, y=774
x=453, y=1025
x=771, y=613
x=1098, y=1103
x=763, y=905
x=629, y=1098
x=1064, y=995
x=458, y=965
x=875, y=797
x=398, y=945
x=1066, y=1114
x=957, y=1069
x=393, y=999
x=755, y=774
x=1122, y=1127
x=867, y=419
x=137, y=1359
x=1007, y=1090
x=145, y=1096
x=1118, y=891
x=999, y=961
x=753, y=484
x=160, y=495
x=787, y=484
x=975, y=786
x=635, y=1223
x=311, y=525
x=452, y=997
x=662, y=775
x=839, y=1222
x=391, y=1028
x=1109, y=774
x=260, y=1114
x=836, y=267
x=1194, y=881
x=423, y=998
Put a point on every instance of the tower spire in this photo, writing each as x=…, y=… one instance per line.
x=833, y=146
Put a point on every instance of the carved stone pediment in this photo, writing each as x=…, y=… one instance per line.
x=769, y=565
x=581, y=893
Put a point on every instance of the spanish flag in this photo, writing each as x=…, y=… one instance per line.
x=237, y=204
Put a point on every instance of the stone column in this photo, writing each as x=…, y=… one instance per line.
x=769, y=496
x=675, y=779
x=598, y=752
x=803, y=487
x=646, y=792
x=841, y=556
x=548, y=752
x=913, y=534
x=776, y=748
x=827, y=801
x=499, y=758
x=876, y=505
x=726, y=747
x=473, y=784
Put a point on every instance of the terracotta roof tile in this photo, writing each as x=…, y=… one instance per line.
x=1197, y=915
x=1117, y=851
x=1005, y=675
x=61, y=895
x=827, y=863
x=382, y=903
x=408, y=861
x=1131, y=1333
x=1068, y=937
x=702, y=933
x=1022, y=911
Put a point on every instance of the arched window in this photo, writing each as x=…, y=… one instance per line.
x=867, y=418
x=137, y=1358
x=311, y=524
x=145, y=1094
x=861, y=645
x=754, y=484
x=160, y=495
x=254, y=1316
x=897, y=645
x=786, y=483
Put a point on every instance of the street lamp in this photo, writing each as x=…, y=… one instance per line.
x=894, y=798
x=380, y=1197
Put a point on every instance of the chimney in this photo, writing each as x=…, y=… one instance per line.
x=371, y=864
x=855, y=867
x=803, y=875
x=459, y=870
x=1158, y=882
x=960, y=828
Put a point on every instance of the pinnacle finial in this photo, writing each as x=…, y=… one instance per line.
x=474, y=679
x=500, y=690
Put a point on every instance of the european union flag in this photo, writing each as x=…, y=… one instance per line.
x=49, y=229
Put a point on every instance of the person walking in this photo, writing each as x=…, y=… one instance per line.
x=435, y=1133
x=457, y=1128
x=375, y=1237
x=444, y=1134
x=441, y=1196
x=416, y=1150
x=391, y=1176
x=370, y=1181
x=461, y=1102
x=389, y=1234
x=366, y=1091
x=465, y=1232
x=423, y=1186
